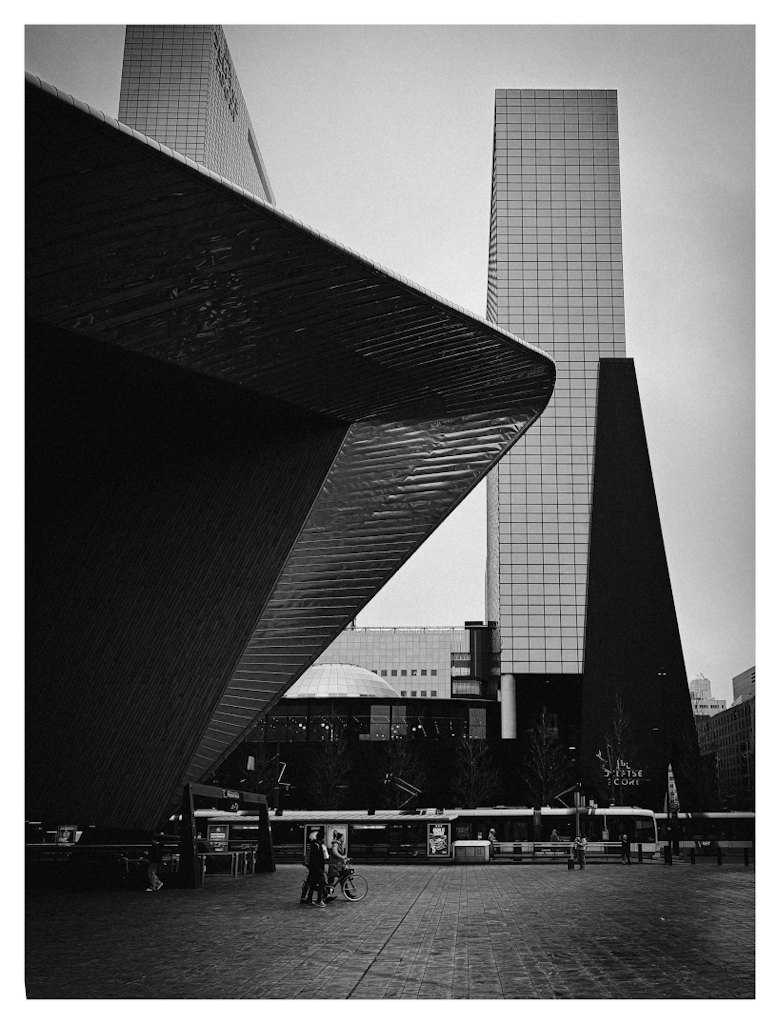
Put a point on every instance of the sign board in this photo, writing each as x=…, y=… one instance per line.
x=66, y=833
x=218, y=838
x=621, y=773
x=438, y=839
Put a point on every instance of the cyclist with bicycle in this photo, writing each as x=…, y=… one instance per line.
x=337, y=859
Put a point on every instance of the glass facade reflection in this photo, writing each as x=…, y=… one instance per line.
x=180, y=88
x=363, y=719
x=555, y=279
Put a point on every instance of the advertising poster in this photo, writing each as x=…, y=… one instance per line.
x=218, y=837
x=309, y=833
x=330, y=832
x=66, y=834
x=438, y=839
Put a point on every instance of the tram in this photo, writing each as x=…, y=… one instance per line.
x=429, y=834
x=708, y=831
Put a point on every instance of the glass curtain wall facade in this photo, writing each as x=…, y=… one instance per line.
x=180, y=88
x=555, y=279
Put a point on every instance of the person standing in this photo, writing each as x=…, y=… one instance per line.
x=625, y=849
x=306, y=888
x=318, y=859
x=580, y=847
x=337, y=859
x=156, y=854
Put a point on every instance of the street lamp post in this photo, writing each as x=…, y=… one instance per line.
x=662, y=687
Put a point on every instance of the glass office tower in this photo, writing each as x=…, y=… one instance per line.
x=577, y=575
x=555, y=279
x=180, y=88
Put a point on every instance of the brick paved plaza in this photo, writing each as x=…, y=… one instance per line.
x=431, y=932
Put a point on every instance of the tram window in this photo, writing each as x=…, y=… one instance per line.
x=518, y=831
x=644, y=830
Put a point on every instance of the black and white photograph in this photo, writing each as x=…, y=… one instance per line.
x=389, y=516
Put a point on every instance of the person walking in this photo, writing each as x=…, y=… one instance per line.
x=580, y=847
x=318, y=859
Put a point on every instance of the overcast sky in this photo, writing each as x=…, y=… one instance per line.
x=381, y=137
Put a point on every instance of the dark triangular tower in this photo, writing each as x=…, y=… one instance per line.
x=633, y=655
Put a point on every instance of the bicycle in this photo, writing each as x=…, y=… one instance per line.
x=354, y=887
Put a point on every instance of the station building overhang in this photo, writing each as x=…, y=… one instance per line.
x=238, y=431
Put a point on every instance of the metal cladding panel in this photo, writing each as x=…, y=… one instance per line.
x=133, y=247
x=161, y=507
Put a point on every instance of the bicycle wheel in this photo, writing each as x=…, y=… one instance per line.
x=355, y=888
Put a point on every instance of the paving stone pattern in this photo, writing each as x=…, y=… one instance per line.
x=424, y=932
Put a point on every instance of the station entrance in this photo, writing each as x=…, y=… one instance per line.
x=190, y=870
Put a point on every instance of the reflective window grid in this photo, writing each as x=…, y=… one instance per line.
x=180, y=88
x=555, y=278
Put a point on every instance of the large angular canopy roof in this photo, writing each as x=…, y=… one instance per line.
x=136, y=253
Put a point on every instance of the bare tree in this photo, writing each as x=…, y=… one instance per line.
x=547, y=768
x=476, y=777
x=330, y=769
x=400, y=759
x=618, y=752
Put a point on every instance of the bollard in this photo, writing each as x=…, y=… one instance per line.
x=639, y=853
x=746, y=855
x=667, y=854
x=570, y=865
x=693, y=855
x=720, y=856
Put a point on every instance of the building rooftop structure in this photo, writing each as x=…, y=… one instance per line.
x=340, y=681
x=238, y=430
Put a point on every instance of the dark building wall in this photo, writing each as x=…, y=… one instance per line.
x=161, y=505
x=728, y=742
x=632, y=641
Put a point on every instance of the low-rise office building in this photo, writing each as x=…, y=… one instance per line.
x=425, y=661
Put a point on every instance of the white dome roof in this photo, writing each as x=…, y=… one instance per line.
x=341, y=681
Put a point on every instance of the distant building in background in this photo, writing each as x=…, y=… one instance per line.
x=702, y=701
x=728, y=740
x=744, y=685
x=334, y=725
x=179, y=87
x=422, y=662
